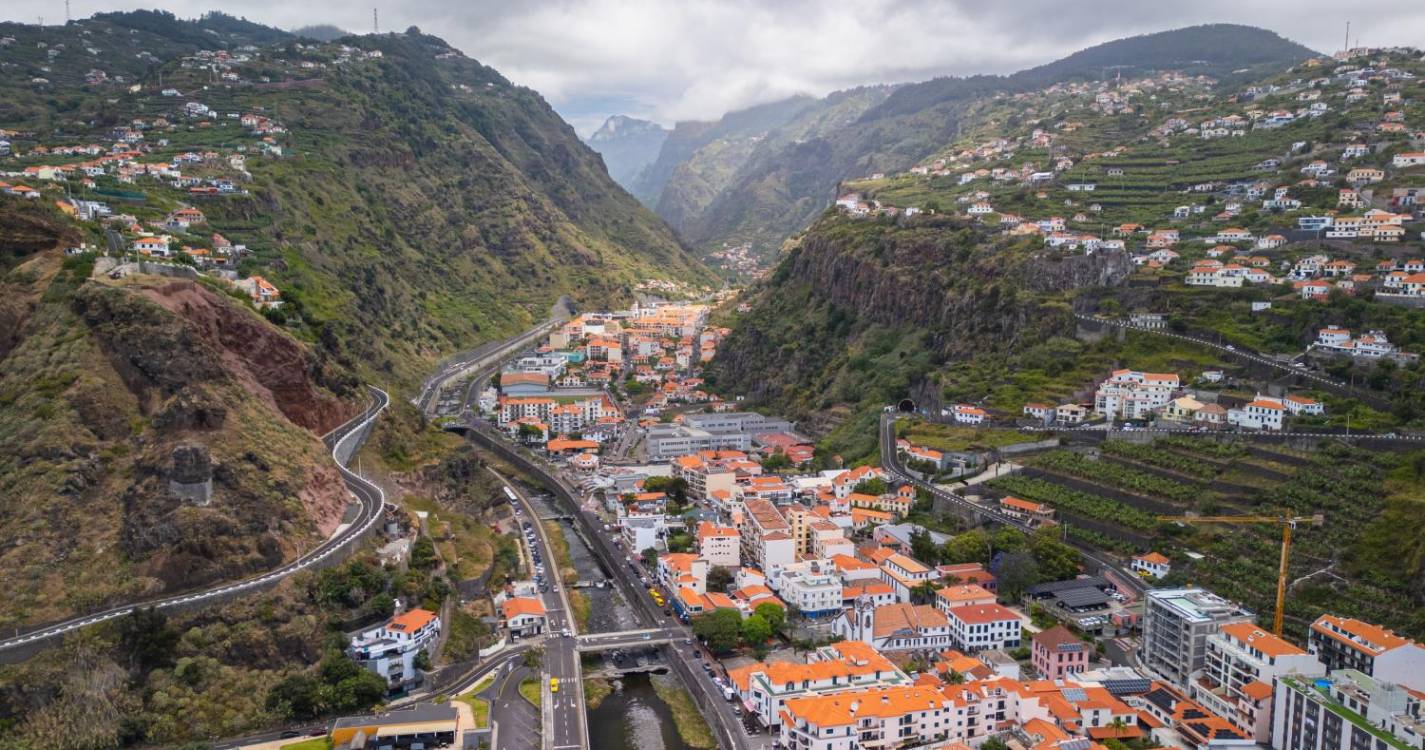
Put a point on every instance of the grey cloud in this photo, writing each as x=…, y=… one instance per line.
x=677, y=59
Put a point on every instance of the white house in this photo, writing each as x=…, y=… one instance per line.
x=390, y=650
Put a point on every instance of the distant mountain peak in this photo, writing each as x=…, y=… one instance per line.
x=623, y=126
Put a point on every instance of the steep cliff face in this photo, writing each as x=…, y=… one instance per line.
x=862, y=312
x=107, y=390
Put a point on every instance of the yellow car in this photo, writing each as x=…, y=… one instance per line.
x=553, y=684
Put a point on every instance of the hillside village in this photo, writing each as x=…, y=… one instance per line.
x=1040, y=567
x=1309, y=180
x=736, y=526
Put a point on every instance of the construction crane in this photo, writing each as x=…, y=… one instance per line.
x=1288, y=524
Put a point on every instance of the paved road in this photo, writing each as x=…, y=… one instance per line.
x=891, y=462
x=1245, y=355
x=484, y=358
x=343, y=442
x=564, y=718
x=681, y=659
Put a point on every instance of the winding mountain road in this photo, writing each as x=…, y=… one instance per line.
x=343, y=442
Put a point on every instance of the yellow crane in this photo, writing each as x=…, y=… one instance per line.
x=1288, y=524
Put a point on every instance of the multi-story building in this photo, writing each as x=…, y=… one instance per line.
x=1349, y=710
x=963, y=595
x=1243, y=661
x=897, y=716
x=720, y=546
x=848, y=665
x=1129, y=394
x=390, y=650
x=1344, y=643
x=767, y=542
x=1176, y=624
x=905, y=574
x=978, y=627
x=812, y=586
x=896, y=627
x=1058, y=654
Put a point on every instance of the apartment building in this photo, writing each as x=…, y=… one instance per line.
x=1176, y=625
x=1243, y=662
x=1349, y=710
x=1058, y=654
x=390, y=650
x=720, y=546
x=1345, y=643
x=904, y=574
x=812, y=586
x=849, y=665
x=1129, y=394
x=978, y=627
x=872, y=718
x=963, y=595
x=766, y=537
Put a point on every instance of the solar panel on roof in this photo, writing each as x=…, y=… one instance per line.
x=1075, y=695
x=1131, y=686
x=1077, y=743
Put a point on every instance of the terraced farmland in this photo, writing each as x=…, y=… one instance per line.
x=1366, y=561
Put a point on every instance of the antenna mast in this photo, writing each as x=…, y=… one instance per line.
x=66, y=12
x=375, y=26
x=1347, y=48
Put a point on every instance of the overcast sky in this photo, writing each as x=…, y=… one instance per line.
x=668, y=60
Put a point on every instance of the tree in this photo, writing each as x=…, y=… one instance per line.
x=148, y=640
x=775, y=462
x=755, y=630
x=423, y=556
x=1017, y=572
x=295, y=697
x=994, y=743
x=719, y=579
x=650, y=556
x=719, y=629
x=680, y=543
x=676, y=488
x=1009, y=540
x=775, y=616
x=973, y=546
x=922, y=547
x=422, y=661
x=923, y=593
x=533, y=657
x=872, y=486
x=1057, y=561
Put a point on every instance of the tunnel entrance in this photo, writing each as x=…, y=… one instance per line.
x=906, y=406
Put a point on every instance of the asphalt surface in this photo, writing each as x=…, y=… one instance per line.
x=891, y=462
x=342, y=442
x=564, y=719
x=681, y=658
x=484, y=358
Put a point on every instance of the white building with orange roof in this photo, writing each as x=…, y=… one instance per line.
x=875, y=591
x=1243, y=662
x=720, y=546
x=524, y=615
x=849, y=665
x=390, y=650
x=852, y=568
x=1347, y=643
x=1261, y=413
x=1154, y=564
x=977, y=627
x=767, y=541
x=902, y=626
x=683, y=569
x=845, y=483
x=961, y=595
x=1130, y=394
x=905, y=574
x=1026, y=511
